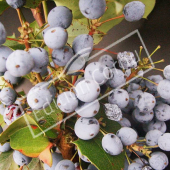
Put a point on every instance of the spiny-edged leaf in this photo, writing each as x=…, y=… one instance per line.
x=73, y=5
x=35, y=164
x=15, y=126
x=32, y=3
x=110, y=125
x=48, y=118
x=14, y=45
x=28, y=144
x=7, y=161
x=3, y=6
x=149, y=6
x=93, y=150
x=76, y=29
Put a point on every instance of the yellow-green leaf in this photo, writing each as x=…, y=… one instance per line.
x=35, y=164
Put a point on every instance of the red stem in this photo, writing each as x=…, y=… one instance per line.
x=101, y=49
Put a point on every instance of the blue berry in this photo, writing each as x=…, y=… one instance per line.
x=62, y=56
x=21, y=159
x=166, y=72
x=135, y=166
x=4, y=53
x=67, y=102
x=164, y=142
x=134, y=11
x=84, y=158
x=40, y=57
x=164, y=89
x=56, y=37
x=107, y=60
x=19, y=63
x=60, y=16
x=124, y=122
x=8, y=96
x=2, y=34
x=112, y=144
x=11, y=79
x=86, y=128
x=92, y=9
x=65, y=164
x=5, y=147
x=16, y=3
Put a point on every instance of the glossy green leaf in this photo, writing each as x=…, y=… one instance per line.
x=14, y=45
x=7, y=161
x=3, y=6
x=93, y=150
x=2, y=123
x=35, y=164
x=73, y=5
x=15, y=126
x=28, y=144
x=48, y=118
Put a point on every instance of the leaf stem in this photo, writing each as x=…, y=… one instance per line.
x=39, y=78
x=102, y=49
x=45, y=8
x=73, y=156
x=148, y=80
x=127, y=158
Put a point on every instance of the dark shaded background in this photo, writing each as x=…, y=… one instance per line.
x=154, y=31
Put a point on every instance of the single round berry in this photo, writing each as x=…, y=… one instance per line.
x=141, y=161
x=112, y=144
x=12, y=113
x=133, y=87
x=127, y=135
x=56, y=157
x=65, y=164
x=162, y=112
x=154, y=78
x=88, y=109
x=21, y=159
x=134, y=11
x=2, y=34
x=117, y=79
x=164, y=142
x=86, y=128
x=4, y=54
x=87, y=90
x=5, y=147
x=143, y=117
x=16, y=3
x=166, y=72
x=152, y=137
x=119, y=97
x=19, y=63
x=107, y=60
x=145, y=102
x=11, y=79
x=156, y=124
x=62, y=56
x=98, y=72
x=84, y=158
x=56, y=37
x=92, y=167
x=39, y=98
x=8, y=96
x=113, y=112
x=67, y=102
x=92, y=9
x=40, y=57
x=135, y=166
x=124, y=122
x=158, y=160
x=60, y=16
x=163, y=89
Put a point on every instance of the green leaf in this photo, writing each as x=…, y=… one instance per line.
x=35, y=164
x=48, y=118
x=3, y=6
x=26, y=143
x=93, y=150
x=7, y=161
x=15, y=126
x=73, y=5
x=32, y=3
x=149, y=6
x=14, y=45
x=78, y=27
x=2, y=123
